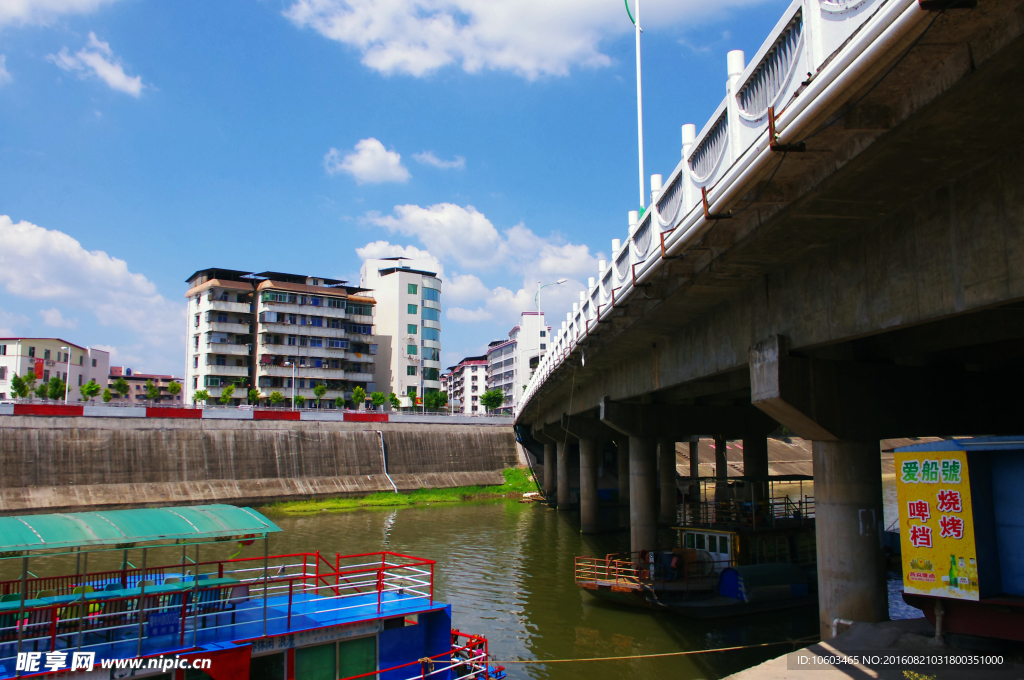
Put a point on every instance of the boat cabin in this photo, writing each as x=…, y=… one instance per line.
x=163, y=593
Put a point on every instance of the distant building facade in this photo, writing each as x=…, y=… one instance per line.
x=408, y=327
x=280, y=332
x=510, y=363
x=137, y=393
x=48, y=358
x=467, y=381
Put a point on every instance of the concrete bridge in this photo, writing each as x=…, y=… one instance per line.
x=839, y=252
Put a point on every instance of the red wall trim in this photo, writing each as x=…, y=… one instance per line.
x=366, y=417
x=174, y=413
x=276, y=415
x=47, y=410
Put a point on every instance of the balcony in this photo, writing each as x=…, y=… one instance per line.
x=307, y=310
x=427, y=363
x=226, y=327
x=434, y=344
x=360, y=318
x=299, y=329
x=230, y=371
x=233, y=348
x=427, y=323
x=432, y=384
x=359, y=377
x=225, y=306
x=307, y=371
x=432, y=304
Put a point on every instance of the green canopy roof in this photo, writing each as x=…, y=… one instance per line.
x=113, y=527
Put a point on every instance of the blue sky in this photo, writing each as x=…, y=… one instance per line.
x=494, y=139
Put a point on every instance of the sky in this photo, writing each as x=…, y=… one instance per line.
x=493, y=140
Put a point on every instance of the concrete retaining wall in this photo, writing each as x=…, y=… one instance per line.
x=48, y=464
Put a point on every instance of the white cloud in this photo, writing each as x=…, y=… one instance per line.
x=41, y=264
x=468, y=315
x=97, y=59
x=10, y=321
x=44, y=11
x=368, y=163
x=5, y=75
x=428, y=158
x=526, y=37
x=54, y=319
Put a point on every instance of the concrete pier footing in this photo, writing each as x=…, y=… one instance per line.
x=643, y=508
x=667, y=506
x=550, y=474
x=848, y=516
x=622, y=444
x=589, y=460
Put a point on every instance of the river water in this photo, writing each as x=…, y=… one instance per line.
x=507, y=570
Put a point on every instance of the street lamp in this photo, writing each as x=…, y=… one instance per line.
x=536, y=298
x=292, y=364
x=67, y=376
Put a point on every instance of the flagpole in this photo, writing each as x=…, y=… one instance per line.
x=639, y=102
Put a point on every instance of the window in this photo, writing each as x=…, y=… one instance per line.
x=411, y=350
x=413, y=288
x=46, y=354
x=46, y=376
x=336, y=303
x=364, y=310
x=543, y=346
x=411, y=309
x=195, y=362
x=292, y=340
x=79, y=379
x=432, y=334
x=81, y=360
x=31, y=351
x=316, y=321
x=222, y=318
x=316, y=342
x=3, y=373
x=94, y=363
x=430, y=314
x=337, y=344
x=431, y=294
x=293, y=319
x=3, y=350
x=303, y=341
x=359, y=328
x=410, y=370
x=543, y=334
x=431, y=354
x=195, y=383
x=222, y=360
x=431, y=374
x=412, y=328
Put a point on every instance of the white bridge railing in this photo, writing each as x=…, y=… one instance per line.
x=804, y=69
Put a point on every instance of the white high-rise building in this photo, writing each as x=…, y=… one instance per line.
x=408, y=327
x=510, y=363
x=284, y=333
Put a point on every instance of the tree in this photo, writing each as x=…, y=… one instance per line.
x=174, y=388
x=275, y=398
x=90, y=390
x=435, y=400
x=339, y=402
x=152, y=391
x=359, y=396
x=43, y=391
x=378, y=399
x=320, y=390
x=22, y=387
x=492, y=399
x=122, y=387
x=197, y=396
x=300, y=400
x=56, y=388
x=253, y=396
x=107, y=396
x=225, y=395
x=395, y=403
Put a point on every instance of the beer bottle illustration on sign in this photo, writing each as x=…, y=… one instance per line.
x=954, y=573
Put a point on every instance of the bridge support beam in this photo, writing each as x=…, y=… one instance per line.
x=622, y=444
x=550, y=474
x=848, y=521
x=721, y=469
x=755, y=464
x=668, y=507
x=563, y=494
x=590, y=450
x=643, y=508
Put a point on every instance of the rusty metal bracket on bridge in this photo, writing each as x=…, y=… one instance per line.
x=633, y=272
x=773, y=137
x=707, y=213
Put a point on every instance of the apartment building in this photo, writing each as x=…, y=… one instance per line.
x=280, y=332
x=466, y=383
x=510, y=363
x=137, y=393
x=408, y=327
x=50, y=357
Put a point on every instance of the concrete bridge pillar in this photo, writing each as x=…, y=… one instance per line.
x=721, y=469
x=622, y=444
x=590, y=449
x=668, y=506
x=848, y=528
x=563, y=496
x=643, y=504
x=694, y=491
x=550, y=474
x=755, y=464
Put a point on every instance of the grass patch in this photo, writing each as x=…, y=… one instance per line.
x=517, y=482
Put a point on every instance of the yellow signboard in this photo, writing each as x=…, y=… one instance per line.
x=936, y=524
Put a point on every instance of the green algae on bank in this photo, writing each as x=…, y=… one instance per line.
x=517, y=482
